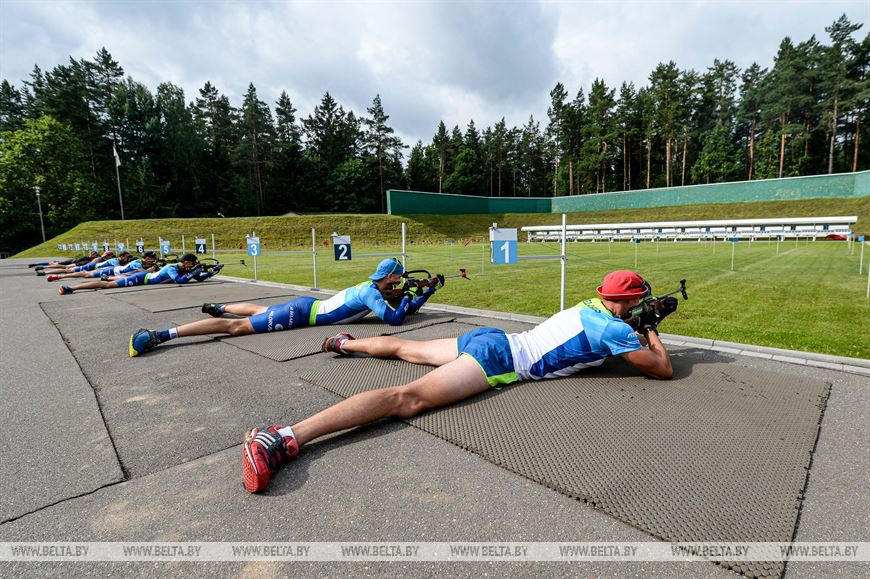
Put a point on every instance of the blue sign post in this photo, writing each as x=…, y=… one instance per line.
x=105, y=246
x=165, y=246
x=201, y=246
x=341, y=247
x=503, y=246
x=253, y=244
x=733, y=241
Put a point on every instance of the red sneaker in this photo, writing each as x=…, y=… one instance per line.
x=263, y=453
x=52, y=278
x=335, y=343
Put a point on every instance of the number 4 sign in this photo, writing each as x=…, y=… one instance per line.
x=503, y=245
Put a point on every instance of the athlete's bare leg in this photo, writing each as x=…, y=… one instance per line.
x=216, y=326
x=447, y=384
x=244, y=309
x=430, y=352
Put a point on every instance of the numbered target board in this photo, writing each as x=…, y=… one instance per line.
x=165, y=247
x=253, y=244
x=341, y=245
x=105, y=246
x=503, y=245
x=201, y=245
x=121, y=247
x=95, y=246
x=140, y=246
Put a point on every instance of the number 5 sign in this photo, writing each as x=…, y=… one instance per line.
x=503, y=245
x=341, y=245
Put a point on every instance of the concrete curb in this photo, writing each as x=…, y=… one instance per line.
x=859, y=366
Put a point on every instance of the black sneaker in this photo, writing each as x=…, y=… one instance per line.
x=213, y=310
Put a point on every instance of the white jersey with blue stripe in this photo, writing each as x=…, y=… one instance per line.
x=573, y=339
x=351, y=304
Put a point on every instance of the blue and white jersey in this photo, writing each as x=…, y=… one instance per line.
x=573, y=339
x=131, y=267
x=113, y=262
x=167, y=273
x=349, y=305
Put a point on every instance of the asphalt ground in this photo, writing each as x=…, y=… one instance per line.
x=101, y=447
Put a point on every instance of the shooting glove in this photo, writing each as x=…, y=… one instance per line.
x=663, y=309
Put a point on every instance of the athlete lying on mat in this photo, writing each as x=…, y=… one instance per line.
x=569, y=341
x=111, y=272
x=106, y=259
x=346, y=306
x=182, y=272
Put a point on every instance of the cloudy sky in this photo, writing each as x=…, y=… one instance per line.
x=429, y=60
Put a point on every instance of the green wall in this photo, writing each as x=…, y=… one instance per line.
x=792, y=189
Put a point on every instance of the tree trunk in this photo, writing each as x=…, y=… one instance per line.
x=648, y=155
x=555, y=176
x=833, y=138
x=604, y=168
x=783, y=119
x=857, y=138
x=571, y=176
x=383, y=194
x=668, y=161
x=683, y=173
x=440, y=172
x=751, y=149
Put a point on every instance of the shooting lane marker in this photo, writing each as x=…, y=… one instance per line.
x=314, y=255
x=253, y=244
x=213, y=248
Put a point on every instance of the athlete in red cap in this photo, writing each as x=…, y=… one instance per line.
x=576, y=338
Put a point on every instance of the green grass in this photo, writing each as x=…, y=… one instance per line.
x=294, y=232
x=809, y=297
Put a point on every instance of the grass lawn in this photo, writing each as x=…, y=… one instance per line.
x=808, y=297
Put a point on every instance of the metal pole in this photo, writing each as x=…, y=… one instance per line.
x=314, y=255
x=732, y=255
x=635, y=243
x=213, y=248
x=482, y=256
x=564, y=260
x=861, y=267
x=868, y=283
x=183, y=249
x=254, y=234
x=41, y=224
x=118, y=179
x=404, y=255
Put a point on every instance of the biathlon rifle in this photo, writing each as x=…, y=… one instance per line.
x=207, y=264
x=415, y=286
x=653, y=309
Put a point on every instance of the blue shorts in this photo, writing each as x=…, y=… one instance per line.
x=287, y=316
x=131, y=280
x=86, y=267
x=489, y=347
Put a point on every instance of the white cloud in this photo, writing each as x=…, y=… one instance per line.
x=430, y=61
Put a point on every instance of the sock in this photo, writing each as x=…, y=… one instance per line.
x=287, y=431
x=341, y=345
x=220, y=308
x=166, y=335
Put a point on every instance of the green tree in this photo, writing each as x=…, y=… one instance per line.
x=837, y=83
x=381, y=145
x=44, y=154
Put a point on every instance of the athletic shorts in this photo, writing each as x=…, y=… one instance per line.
x=489, y=347
x=131, y=280
x=287, y=316
x=86, y=267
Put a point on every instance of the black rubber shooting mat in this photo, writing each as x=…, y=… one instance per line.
x=720, y=453
x=289, y=344
x=179, y=297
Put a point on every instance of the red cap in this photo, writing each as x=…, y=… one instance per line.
x=623, y=284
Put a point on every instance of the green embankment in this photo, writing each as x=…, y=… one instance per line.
x=294, y=232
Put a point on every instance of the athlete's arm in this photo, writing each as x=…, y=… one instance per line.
x=379, y=306
x=653, y=361
x=418, y=302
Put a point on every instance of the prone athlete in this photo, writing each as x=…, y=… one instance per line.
x=576, y=338
x=107, y=271
x=187, y=269
x=90, y=256
x=348, y=305
x=106, y=259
